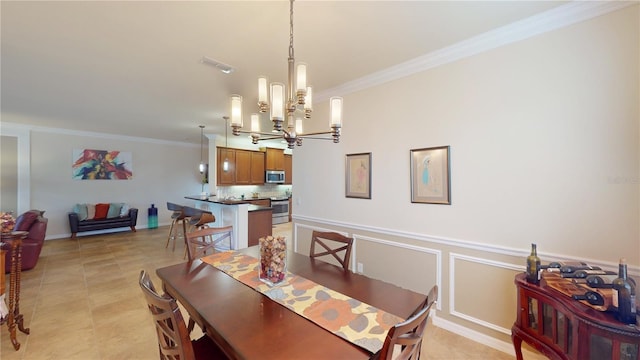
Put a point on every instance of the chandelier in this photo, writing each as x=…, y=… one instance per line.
x=296, y=106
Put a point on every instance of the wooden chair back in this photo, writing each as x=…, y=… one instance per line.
x=173, y=338
x=201, y=241
x=408, y=334
x=327, y=241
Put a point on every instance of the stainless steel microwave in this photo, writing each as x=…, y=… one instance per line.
x=274, y=177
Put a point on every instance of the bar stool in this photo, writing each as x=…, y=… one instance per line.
x=198, y=217
x=178, y=216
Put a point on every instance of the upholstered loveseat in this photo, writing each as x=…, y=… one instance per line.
x=89, y=217
x=33, y=222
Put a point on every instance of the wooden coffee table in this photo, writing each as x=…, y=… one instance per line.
x=14, y=242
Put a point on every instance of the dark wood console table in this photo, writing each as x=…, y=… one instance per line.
x=14, y=241
x=563, y=328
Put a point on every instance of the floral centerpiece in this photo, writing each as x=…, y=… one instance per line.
x=273, y=256
x=8, y=221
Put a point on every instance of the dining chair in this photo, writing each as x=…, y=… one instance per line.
x=173, y=339
x=199, y=242
x=406, y=337
x=177, y=217
x=324, y=239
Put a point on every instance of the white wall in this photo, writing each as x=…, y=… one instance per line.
x=162, y=171
x=9, y=174
x=545, y=149
x=539, y=132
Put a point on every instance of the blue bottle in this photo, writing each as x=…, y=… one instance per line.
x=153, y=217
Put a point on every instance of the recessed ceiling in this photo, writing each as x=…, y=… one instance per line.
x=134, y=68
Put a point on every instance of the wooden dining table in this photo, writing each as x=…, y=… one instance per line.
x=249, y=325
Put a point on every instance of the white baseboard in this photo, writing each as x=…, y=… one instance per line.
x=483, y=339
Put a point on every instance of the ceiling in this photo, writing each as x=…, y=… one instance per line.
x=133, y=68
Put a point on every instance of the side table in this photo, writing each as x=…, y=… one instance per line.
x=15, y=318
x=565, y=329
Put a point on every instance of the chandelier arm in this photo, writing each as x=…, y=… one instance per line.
x=269, y=134
x=270, y=138
x=314, y=137
x=316, y=133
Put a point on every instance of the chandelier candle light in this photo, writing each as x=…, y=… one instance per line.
x=202, y=166
x=297, y=105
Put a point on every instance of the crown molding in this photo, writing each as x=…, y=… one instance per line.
x=8, y=127
x=556, y=18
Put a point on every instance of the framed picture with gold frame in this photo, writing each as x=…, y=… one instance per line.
x=430, y=176
x=358, y=176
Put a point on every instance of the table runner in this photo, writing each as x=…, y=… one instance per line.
x=351, y=319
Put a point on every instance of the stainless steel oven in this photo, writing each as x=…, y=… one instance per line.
x=280, y=208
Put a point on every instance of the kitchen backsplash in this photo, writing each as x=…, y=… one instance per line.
x=263, y=191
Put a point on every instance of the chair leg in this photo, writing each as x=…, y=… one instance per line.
x=171, y=236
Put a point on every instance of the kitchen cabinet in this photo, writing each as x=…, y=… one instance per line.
x=257, y=168
x=288, y=169
x=243, y=167
x=275, y=159
x=226, y=177
x=246, y=167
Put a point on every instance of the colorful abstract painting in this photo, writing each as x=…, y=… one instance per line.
x=89, y=164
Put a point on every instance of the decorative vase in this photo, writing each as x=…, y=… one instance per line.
x=273, y=260
x=8, y=222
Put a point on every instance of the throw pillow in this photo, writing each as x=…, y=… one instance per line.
x=101, y=211
x=124, y=211
x=114, y=210
x=91, y=211
x=81, y=210
x=24, y=221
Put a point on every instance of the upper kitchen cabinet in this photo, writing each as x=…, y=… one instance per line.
x=288, y=169
x=275, y=159
x=227, y=177
x=246, y=167
x=243, y=167
x=257, y=167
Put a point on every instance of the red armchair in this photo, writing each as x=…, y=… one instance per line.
x=33, y=222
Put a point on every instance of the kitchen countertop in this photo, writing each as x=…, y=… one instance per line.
x=212, y=199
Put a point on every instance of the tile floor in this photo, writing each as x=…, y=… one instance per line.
x=82, y=301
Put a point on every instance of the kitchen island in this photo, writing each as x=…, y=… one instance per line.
x=249, y=222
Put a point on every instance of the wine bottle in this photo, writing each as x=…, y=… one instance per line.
x=565, y=269
x=591, y=297
x=582, y=274
x=624, y=295
x=533, y=266
x=559, y=264
x=600, y=281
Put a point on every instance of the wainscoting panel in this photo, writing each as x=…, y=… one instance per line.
x=479, y=289
x=408, y=266
x=477, y=297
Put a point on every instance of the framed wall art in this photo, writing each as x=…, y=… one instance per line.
x=90, y=164
x=430, y=176
x=358, y=175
